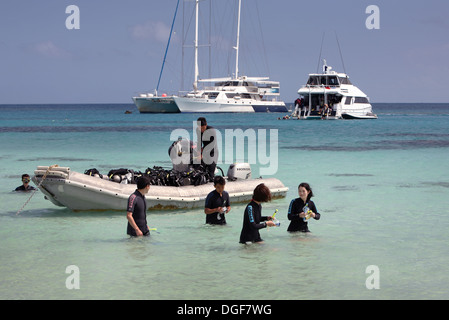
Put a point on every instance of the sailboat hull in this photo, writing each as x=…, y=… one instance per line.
x=156, y=104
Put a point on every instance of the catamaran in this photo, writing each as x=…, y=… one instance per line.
x=331, y=95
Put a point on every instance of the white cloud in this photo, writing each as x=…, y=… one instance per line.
x=49, y=49
x=151, y=31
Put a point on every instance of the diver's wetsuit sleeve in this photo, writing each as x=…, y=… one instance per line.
x=253, y=215
x=294, y=211
x=314, y=209
x=131, y=203
x=208, y=203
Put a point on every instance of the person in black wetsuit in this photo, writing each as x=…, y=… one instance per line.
x=217, y=203
x=207, y=142
x=253, y=219
x=25, y=184
x=136, y=212
x=296, y=212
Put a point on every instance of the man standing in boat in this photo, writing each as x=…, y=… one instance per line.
x=207, y=139
x=136, y=212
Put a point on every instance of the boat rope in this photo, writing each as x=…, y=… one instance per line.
x=38, y=186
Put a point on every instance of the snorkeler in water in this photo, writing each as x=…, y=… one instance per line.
x=25, y=184
x=301, y=209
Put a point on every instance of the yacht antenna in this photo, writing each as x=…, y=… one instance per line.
x=321, y=49
x=341, y=56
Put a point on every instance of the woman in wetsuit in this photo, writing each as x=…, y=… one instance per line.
x=298, y=206
x=253, y=219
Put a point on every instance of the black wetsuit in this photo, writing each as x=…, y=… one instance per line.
x=211, y=155
x=252, y=222
x=214, y=200
x=296, y=207
x=138, y=206
x=22, y=188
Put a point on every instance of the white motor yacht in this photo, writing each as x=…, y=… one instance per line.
x=331, y=95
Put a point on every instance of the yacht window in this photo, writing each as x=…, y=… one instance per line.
x=246, y=96
x=348, y=100
x=345, y=80
x=230, y=95
x=332, y=81
x=212, y=95
x=313, y=81
x=361, y=100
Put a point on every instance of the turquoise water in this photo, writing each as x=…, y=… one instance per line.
x=381, y=186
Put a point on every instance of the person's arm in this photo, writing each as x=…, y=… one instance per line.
x=129, y=216
x=266, y=218
x=209, y=210
x=253, y=224
x=293, y=211
x=316, y=215
x=208, y=205
x=228, y=207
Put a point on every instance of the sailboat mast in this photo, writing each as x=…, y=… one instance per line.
x=195, y=83
x=166, y=49
x=238, y=42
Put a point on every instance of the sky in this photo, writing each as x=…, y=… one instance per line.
x=117, y=51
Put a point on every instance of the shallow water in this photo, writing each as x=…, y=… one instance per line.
x=381, y=187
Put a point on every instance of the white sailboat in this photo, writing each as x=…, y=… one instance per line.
x=231, y=94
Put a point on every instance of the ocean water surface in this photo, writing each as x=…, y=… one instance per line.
x=381, y=186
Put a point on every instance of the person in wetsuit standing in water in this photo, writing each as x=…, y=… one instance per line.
x=253, y=220
x=297, y=207
x=217, y=203
x=136, y=212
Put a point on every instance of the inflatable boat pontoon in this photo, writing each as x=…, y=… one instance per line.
x=78, y=191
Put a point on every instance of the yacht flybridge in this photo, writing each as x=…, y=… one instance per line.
x=331, y=95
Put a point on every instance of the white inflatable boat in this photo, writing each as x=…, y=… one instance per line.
x=79, y=192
